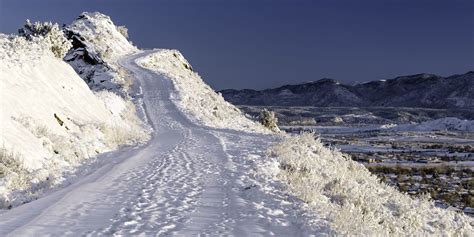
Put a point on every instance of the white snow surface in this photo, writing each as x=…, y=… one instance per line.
x=51, y=121
x=29, y=88
x=189, y=179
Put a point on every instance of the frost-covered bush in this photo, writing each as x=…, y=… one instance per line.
x=269, y=120
x=355, y=201
x=50, y=33
x=14, y=177
x=10, y=162
x=123, y=30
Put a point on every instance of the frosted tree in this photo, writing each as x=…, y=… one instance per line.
x=123, y=30
x=269, y=120
x=50, y=33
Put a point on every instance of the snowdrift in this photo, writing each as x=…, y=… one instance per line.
x=194, y=96
x=51, y=121
x=352, y=199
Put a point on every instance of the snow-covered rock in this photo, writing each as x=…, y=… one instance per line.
x=194, y=96
x=97, y=44
x=100, y=36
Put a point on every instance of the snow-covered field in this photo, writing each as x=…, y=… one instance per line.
x=207, y=169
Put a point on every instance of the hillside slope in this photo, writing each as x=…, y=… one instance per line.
x=194, y=96
x=51, y=122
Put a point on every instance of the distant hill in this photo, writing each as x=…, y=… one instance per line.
x=420, y=90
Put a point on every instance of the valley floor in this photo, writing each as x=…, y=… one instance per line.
x=188, y=180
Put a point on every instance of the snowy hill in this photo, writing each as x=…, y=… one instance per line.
x=51, y=121
x=194, y=96
x=421, y=90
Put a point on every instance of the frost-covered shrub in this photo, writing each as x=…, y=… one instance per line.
x=50, y=33
x=355, y=201
x=20, y=185
x=269, y=120
x=123, y=30
x=13, y=175
x=10, y=162
x=14, y=48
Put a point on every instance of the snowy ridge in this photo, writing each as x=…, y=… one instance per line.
x=101, y=36
x=51, y=122
x=352, y=199
x=97, y=45
x=194, y=96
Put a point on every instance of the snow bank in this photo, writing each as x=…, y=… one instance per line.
x=50, y=121
x=194, y=96
x=356, y=202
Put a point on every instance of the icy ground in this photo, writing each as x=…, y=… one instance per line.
x=188, y=180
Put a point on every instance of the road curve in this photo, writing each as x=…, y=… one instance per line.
x=187, y=180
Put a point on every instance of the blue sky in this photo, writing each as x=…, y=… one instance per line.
x=267, y=43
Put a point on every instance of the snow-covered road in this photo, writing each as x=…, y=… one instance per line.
x=188, y=180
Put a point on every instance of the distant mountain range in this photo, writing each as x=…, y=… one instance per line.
x=420, y=90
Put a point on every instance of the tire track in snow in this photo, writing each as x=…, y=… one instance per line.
x=165, y=197
x=188, y=180
x=226, y=198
